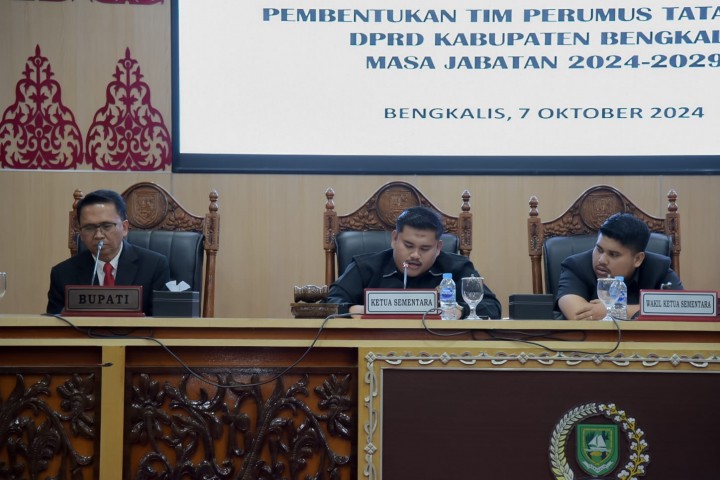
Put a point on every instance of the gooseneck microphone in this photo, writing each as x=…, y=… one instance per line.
x=97, y=258
x=405, y=267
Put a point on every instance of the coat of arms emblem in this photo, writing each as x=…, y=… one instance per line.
x=597, y=448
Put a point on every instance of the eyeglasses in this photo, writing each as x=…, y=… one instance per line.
x=106, y=227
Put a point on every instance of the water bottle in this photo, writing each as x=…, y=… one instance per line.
x=620, y=308
x=447, y=298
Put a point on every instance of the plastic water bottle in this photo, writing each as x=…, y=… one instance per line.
x=620, y=308
x=447, y=298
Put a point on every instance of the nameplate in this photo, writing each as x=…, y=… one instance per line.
x=384, y=301
x=86, y=301
x=687, y=305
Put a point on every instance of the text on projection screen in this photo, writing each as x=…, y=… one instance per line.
x=390, y=78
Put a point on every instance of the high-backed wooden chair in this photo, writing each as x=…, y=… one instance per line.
x=576, y=230
x=158, y=222
x=368, y=228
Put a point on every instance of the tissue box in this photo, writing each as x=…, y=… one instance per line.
x=531, y=307
x=176, y=304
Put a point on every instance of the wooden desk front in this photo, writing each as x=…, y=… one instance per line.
x=373, y=399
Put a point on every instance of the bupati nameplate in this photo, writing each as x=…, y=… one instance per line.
x=689, y=305
x=383, y=301
x=82, y=300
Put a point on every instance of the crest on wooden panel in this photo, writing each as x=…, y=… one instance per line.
x=598, y=207
x=393, y=200
x=146, y=208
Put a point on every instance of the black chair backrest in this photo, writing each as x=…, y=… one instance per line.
x=557, y=249
x=184, y=251
x=349, y=244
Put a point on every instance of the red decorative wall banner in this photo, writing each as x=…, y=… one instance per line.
x=128, y=133
x=118, y=2
x=38, y=131
x=132, y=2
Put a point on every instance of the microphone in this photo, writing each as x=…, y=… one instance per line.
x=97, y=258
x=405, y=267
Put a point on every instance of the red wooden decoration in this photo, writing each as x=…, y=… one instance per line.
x=38, y=131
x=128, y=133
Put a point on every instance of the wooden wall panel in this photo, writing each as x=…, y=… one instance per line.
x=271, y=226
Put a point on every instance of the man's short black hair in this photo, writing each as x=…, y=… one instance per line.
x=421, y=218
x=627, y=229
x=103, y=196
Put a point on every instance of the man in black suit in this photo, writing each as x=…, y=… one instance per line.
x=102, y=217
x=619, y=251
x=416, y=249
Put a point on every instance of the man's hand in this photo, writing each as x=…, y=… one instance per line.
x=357, y=309
x=575, y=307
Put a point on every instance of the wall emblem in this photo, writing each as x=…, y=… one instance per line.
x=599, y=449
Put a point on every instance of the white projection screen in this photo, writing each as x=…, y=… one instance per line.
x=446, y=87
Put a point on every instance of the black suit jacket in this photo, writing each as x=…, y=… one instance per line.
x=577, y=277
x=136, y=266
x=378, y=270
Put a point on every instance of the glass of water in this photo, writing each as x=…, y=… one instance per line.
x=473, y=291
x=3, y=283
x=608, y=293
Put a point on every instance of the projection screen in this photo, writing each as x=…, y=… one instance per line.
x=446, y=87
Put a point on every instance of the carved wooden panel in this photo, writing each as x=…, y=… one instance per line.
x=49, y=423
x=254, y=423
x=149, y=207
x=381, y=210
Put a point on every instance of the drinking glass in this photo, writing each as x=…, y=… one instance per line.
x=472, y=292
x=3, y=283
x=608, y=293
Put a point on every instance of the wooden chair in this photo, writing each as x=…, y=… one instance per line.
x=157, y=221
x=576, y=230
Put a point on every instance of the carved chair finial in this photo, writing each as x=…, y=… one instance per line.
x=533, y=206
x=213, y=201
x=466, y=201
x=329, y=194
x=77, y=195
x=672, y=201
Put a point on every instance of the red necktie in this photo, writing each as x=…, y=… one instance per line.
x=109, y=279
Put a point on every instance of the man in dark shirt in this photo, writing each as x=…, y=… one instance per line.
x=619, y=251
x=416, y=243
